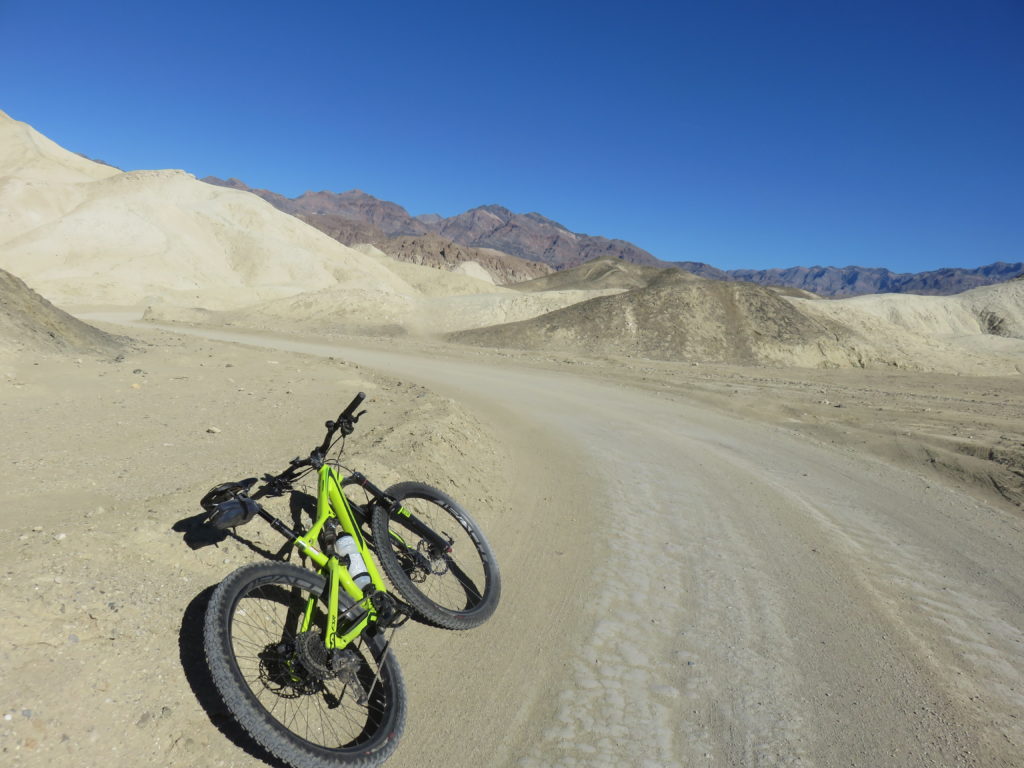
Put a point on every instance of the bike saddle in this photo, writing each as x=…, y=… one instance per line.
x=224, y=492
x=227, y=507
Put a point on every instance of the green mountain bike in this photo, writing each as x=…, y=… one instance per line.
x=302, y=657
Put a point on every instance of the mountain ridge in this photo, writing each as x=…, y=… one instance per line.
x=536, y=238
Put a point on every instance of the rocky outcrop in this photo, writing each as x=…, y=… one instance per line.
x=442, y=253
x=536, y=237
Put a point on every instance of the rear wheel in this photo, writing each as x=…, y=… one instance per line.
x=437, y=557
x=311, y=707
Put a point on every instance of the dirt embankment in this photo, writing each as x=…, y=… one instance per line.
x=29, y=323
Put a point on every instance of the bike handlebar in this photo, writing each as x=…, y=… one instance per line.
x=347, y=413
x=345, y=424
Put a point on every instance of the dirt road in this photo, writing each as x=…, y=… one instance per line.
x=684, y=588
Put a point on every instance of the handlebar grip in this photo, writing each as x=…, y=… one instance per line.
x=347, y=413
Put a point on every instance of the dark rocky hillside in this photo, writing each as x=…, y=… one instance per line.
x=529, y=236
x=536, y=238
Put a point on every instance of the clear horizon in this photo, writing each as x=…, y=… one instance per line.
x=742, y=136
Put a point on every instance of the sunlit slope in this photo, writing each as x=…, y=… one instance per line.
x=27, y=155
x=81, y=232
x=996, y=310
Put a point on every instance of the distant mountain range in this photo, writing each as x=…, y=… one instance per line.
x=356, y=217
x=838, y=282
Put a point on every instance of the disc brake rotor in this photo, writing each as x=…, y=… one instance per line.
x=438, y=564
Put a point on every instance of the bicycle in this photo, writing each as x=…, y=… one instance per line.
x=299, y=656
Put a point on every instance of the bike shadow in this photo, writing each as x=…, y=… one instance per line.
x=197, y=674
x=198, y=534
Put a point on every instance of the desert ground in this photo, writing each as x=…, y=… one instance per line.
x=735, y=527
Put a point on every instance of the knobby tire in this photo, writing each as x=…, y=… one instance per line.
x=459, y=589
x=309, y=720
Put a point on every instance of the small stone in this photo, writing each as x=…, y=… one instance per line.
x=137, y=370
x=213, y=430
x=26, y=713
x=60, y=537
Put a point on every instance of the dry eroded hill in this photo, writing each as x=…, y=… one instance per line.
x=678, y=316
x=29, y=323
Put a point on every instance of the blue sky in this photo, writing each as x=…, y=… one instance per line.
x=757, y=134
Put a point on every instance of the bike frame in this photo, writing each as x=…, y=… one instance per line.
x=331, y=502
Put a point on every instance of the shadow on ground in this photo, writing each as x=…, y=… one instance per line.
x=197, y=673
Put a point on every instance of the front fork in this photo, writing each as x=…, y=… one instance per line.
x=438, y=543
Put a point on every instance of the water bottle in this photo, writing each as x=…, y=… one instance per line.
x=346, y=546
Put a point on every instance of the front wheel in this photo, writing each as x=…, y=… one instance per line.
x=310, y=706
x=436, y=557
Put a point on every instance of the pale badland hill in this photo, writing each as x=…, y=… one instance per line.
x=30, y=323
x=85, y=233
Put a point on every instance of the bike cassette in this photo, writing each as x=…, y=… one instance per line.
x=313, y=655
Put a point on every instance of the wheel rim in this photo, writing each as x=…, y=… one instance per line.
x=455, y=581
x=343, y=712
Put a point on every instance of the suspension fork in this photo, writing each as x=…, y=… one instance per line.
x=437, y=542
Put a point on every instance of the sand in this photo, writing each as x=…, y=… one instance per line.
x=780, y=557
